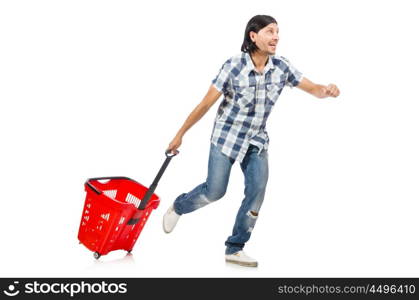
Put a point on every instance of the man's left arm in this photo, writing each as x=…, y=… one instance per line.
x=318, y=90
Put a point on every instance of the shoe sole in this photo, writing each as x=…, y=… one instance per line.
x=164, y=228
x=242, y=263
x=164, y=216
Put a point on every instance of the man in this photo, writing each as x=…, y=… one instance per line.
x=251, y=84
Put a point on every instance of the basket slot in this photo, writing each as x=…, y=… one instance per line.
x=110, y=193
x=105, y=216
x=132, y=199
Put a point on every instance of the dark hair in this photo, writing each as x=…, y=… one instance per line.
x=255, y=24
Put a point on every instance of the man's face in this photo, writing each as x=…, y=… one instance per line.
x=266, y=39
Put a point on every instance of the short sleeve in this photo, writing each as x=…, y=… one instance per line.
x=222, y=79
x=294, y=76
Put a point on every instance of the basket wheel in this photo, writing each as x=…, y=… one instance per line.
x=129, y=251
x=96, y=255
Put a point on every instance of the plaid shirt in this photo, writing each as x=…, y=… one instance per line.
x=248, y=101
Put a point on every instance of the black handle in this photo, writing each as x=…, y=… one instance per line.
x=104, y=178
x=153, y=186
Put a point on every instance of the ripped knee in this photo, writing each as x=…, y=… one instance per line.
x=252, y=214
x=252, y=219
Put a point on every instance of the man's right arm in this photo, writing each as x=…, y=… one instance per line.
x=200, y=110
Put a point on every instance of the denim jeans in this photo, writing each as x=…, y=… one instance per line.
x=256, y=172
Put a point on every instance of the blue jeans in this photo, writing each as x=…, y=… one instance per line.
x=256, y=172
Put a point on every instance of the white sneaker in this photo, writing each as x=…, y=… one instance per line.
x=240, y=258
x=170, y=219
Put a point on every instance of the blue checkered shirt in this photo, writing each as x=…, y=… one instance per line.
x=248, y=100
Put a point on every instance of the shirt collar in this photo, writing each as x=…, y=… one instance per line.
x=250, y=66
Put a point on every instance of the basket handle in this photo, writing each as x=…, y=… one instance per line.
x=169, y=155
x=92, y=187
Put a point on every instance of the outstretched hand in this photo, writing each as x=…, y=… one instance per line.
x=330, y=90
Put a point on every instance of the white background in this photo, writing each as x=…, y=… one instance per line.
x=99, y=88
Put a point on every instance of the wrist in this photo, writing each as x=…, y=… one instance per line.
x=320, y=91
x=180, y=134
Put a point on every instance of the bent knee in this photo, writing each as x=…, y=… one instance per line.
x=216, y=195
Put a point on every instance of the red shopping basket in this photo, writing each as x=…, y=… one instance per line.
x=115, y=212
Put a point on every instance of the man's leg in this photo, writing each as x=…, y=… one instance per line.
x=256, y=172
x=214, y=188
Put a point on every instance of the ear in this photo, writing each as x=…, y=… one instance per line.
x=252, y=35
